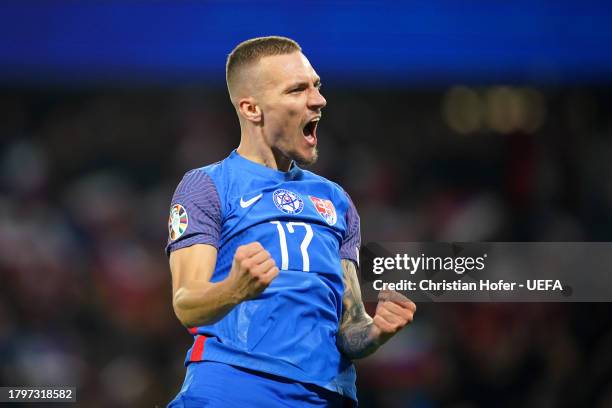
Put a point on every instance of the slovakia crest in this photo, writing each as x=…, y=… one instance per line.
x=326, y=209
x=177, y=222
x=287, y=201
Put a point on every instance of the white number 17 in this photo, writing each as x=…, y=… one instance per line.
x=303, y=246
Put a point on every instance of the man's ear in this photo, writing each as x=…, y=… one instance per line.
x=249, y=109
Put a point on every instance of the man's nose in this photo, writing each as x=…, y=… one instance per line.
x=316, y=100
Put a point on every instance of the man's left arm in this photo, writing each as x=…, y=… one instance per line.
x=359, y=334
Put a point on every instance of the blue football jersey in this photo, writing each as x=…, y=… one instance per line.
x=308, y=224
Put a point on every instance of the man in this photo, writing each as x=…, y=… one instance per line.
x=263, y=254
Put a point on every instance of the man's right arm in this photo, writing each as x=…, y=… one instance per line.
x=197, y=301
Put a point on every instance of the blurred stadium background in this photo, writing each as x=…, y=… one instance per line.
x=483, y=122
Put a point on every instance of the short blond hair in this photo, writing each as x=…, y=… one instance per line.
x=250, y=51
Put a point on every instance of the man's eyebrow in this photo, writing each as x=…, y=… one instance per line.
x=303, y=83
x=297, y=84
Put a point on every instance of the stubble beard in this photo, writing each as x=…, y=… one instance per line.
x=305, y=162
x=292, y=152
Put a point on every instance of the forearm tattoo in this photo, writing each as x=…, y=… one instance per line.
x=354, y=338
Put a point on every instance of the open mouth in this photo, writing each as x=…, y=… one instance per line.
x=310, y=131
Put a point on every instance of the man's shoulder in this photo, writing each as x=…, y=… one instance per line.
x=309, y=175
x=211, y=172
x=208, y=169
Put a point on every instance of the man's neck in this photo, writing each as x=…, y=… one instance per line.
x=259, y=152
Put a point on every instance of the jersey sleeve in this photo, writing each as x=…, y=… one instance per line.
x=195, y=213
x=352, y=240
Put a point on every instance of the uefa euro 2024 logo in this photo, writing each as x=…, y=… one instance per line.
x=287, y=201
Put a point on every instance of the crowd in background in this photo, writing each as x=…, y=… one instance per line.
x=86, y=178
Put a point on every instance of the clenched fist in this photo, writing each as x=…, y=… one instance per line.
x=253, y=269
x=393, y=312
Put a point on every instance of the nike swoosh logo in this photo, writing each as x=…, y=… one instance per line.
x=248, y=203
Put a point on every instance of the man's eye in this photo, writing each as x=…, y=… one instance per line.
x=296, y=90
